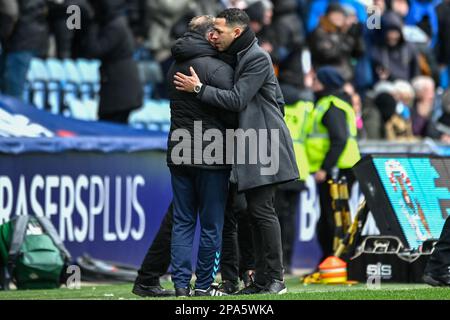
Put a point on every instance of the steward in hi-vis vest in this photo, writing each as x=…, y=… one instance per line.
x=297, y=116
x=330, y=144
x=318, y=138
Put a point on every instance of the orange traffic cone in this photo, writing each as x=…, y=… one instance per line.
x=333, y=271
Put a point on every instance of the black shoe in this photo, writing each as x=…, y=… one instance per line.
x=437, y=281
x=228, y=287
x=151, y=291
x=183, y=292
x=275, y=287
x=253, y=288
x=211, y=291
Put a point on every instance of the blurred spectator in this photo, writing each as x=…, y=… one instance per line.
x=428, y=64
x=441, y=129
x=422, y=13
x=57, y=19
x=335, y=43
x=404, y=94
x=29, y=38
x=9, y=13
x=422, y=110
x=396, y=127
x=138, y=18
x=110, y=39
x=256, y=12
x=318, y=8
x=373, y=122
x=443, y=44
x=357, y=107
x=163, y=14
x=240, y=4
x=394, y=58
x=380, y=5
x=262, y=14
x=288, y=28
x=400, y=7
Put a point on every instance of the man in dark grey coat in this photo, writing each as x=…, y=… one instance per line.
x=257, y=97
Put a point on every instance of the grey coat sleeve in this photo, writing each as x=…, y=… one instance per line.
x=252, y=78
x=222, y=78
x=280, y=98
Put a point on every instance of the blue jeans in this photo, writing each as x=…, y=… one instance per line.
x=203, y=193
x=13, y=72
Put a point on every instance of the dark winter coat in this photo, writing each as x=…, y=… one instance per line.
x=9, y=13
x=111, y=41
x=257, y=97
x=402, y=60
x=443, y=45
x=287, y=25
x=331, y=46
x=194, y=50
x=30, y=32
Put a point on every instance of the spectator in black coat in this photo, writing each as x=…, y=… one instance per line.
x=110, y=39
x=137, y=13
x=57, y=19
x=288, y=27
x=24, y=39
x=9, y=13
x=443, y=45
x=393, y=58
x=334, y=43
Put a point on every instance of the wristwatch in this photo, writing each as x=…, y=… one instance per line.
x=198, y=88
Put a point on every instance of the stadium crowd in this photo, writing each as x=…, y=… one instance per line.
x=393, y=54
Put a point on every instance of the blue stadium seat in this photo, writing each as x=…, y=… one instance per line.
x=36, y=87
x=56, y=84
x=154, y=115
x=90, y=75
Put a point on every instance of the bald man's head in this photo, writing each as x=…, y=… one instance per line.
x=202, y=25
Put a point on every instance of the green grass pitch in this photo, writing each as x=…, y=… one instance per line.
x=297, y=291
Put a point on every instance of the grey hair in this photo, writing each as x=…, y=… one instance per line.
x=202, y=24
x=421, y=82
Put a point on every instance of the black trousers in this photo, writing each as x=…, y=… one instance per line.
x=286, y=206
x=157, y=259
x=116, y=117
x=237, y=245
x=266, y=234
x=326, y=225
x=439, y=262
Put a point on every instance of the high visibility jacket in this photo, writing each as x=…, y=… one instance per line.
x=296, y=116
x=318, y=140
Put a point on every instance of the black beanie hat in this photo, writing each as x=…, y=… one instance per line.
x=387, y=105
x=335, y=7
x=330, y=77
x=256, y=12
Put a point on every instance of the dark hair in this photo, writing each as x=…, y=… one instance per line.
x=235, y=17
